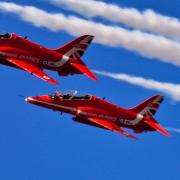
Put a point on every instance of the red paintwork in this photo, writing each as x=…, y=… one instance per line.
x=101, y=113
x=16, y=51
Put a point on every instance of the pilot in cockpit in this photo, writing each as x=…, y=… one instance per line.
x=57, y=96
x=69, y=96
x=5, y=36
x=66, y=96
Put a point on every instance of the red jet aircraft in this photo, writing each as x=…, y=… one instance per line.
x=94, y=111
x=16, y=51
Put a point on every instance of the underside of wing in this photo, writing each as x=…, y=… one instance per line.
x=111, y=126
x=32, y=69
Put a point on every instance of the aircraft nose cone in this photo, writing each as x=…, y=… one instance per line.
x=30, y=100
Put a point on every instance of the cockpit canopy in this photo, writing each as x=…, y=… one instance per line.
x=5, y=36
x=72, y=95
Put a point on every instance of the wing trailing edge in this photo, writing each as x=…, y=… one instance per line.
x=111, y=126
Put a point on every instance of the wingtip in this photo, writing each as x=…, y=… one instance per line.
x=53, y=82
x=125, y=134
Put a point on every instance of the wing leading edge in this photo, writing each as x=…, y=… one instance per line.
x=111, y=126
x=32, y=69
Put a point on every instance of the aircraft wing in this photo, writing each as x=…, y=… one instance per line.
x=32, y=69
x=111, y=126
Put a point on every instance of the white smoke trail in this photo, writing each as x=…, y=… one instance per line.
x=147, y=20
x=143, y=43
x=176, y=130
x=173, y=90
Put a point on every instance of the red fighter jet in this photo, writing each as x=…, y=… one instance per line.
x=17, y=51
x=94, y=111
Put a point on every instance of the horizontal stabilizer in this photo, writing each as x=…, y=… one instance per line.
x=157, y=127
x=82, y=68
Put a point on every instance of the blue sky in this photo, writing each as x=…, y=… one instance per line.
x=37, y=143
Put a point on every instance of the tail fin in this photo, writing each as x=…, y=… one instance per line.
x=76, y=48
x=149, y=107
